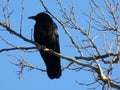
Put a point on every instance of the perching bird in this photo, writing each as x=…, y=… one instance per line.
x=45, y=33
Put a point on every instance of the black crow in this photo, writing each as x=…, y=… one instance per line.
x=45, y=33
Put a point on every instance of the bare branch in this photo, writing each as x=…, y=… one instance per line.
x=22, y=65
x=21, y=20
x=18, y=48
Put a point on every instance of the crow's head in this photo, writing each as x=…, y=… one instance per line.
x=42, y=17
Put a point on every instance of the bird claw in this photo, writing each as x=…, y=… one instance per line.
x=43, y=47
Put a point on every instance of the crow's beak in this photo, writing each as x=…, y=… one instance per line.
x=32, y=17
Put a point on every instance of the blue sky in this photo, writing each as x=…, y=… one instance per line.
x=33, y=79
